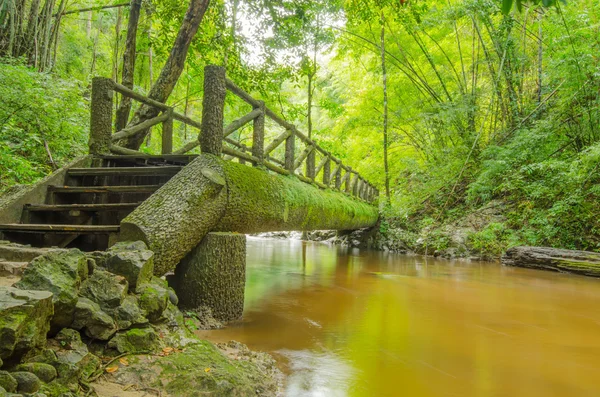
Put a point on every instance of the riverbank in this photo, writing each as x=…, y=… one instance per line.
x=74, y=323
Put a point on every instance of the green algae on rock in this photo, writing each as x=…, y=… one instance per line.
x=60, y=272
x=135, y=340
x=24, y=321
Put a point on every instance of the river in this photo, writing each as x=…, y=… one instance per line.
x=348, y=322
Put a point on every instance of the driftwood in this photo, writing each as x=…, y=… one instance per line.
x=558, y=260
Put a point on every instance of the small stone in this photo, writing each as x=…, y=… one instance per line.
x=27, y=382
x=106, y=289
x=154, y=298
x=97, y=324
x=132, y=260
x=24, y=321
x=60, y=272
x=173, y=297
x=46, y=372
x=135, y=340
x=8, y=382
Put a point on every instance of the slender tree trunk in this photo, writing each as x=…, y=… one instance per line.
x=88, y=23
x=28, y=47
x=55, y=33
x=115, y=69
x=45, y=34
x=162, y=88
x=385, y=111
x=150, y=74
x=128, y=64
x=95, y=47
x=540, y=58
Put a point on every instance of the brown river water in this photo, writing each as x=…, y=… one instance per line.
x=344, y=322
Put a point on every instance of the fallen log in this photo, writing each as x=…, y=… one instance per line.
x=558, y=260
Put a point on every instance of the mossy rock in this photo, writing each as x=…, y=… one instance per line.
x=60, y=272
x=24, y=321
x=56, y=389
x=8, y=382
x=200, y=369
x=3, y=392
x=132, y=260
x=135, y=340
x=73, y=360
x=27, y=382
x=46, y=372
x=128, y=314
x=106, y=289
x=154, y=298
x=96, y=323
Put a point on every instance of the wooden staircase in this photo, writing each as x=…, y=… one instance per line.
x=86, y=212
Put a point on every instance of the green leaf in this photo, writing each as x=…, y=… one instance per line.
x=506, y=6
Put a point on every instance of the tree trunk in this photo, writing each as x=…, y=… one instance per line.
x=170, y=73
x=45, y=34
x=150, y=75
x=558, y=260
x=27, y=48
x=55, y=32
x=385, y=111
x=122, y=115
x=115, y=71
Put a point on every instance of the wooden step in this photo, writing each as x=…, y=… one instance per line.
x=104, y=189
x=59, y=229
x=80, y=207
x=168, y=170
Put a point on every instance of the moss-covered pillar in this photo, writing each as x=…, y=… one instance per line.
x=101, y=116
x=213, y=105
x=258, y=135
x=327, y=172
x=214, y=275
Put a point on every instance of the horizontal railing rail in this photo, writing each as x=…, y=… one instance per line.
x=328, y=173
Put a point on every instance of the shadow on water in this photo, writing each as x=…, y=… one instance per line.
x=345, y=322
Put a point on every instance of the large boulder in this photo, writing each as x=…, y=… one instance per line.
x=106, y=289
x=96, y=323
x=135, y=340
x=27, y=382
x=45, y=372
x=60, y=272
x=24, y=321
x=132, y=260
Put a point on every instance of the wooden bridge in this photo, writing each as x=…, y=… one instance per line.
x=172, y=200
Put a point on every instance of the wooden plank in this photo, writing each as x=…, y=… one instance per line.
x=278, y=141
x=104, y=189
x=126, y=171
x=80, y=207
x=231, y=86
x=58, y=228
x=129, y=131
x=239, y=123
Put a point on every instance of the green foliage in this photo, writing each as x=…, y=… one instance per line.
x=38, y=110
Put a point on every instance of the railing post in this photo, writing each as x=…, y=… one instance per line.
x=348, y=180
x=101, y=116
x=338, y=177
x=290, y=148
x=327, y=171
x=258, y=135
x=213, y=105
x=167, y=134
x=310, y=164
x=355, y=182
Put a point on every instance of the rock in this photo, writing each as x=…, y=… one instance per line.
x=8, y=382
x=135, y=340
x=24, y=321
x=558, y=260
x=128, y=314
x=3, y=392
x=46, y=372
x=27, y=382
x=97, y=324
x=74, y=361
x=132, y=260
x=154, y=298
x=1, y=363
x=60, y=272
x=106, y=289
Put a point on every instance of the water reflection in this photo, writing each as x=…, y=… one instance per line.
x=359, y=323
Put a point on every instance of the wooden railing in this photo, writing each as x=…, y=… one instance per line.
x=328, y=172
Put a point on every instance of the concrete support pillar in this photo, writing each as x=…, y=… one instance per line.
x=214, y=275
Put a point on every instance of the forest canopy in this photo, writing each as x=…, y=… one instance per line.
x=447, y=106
